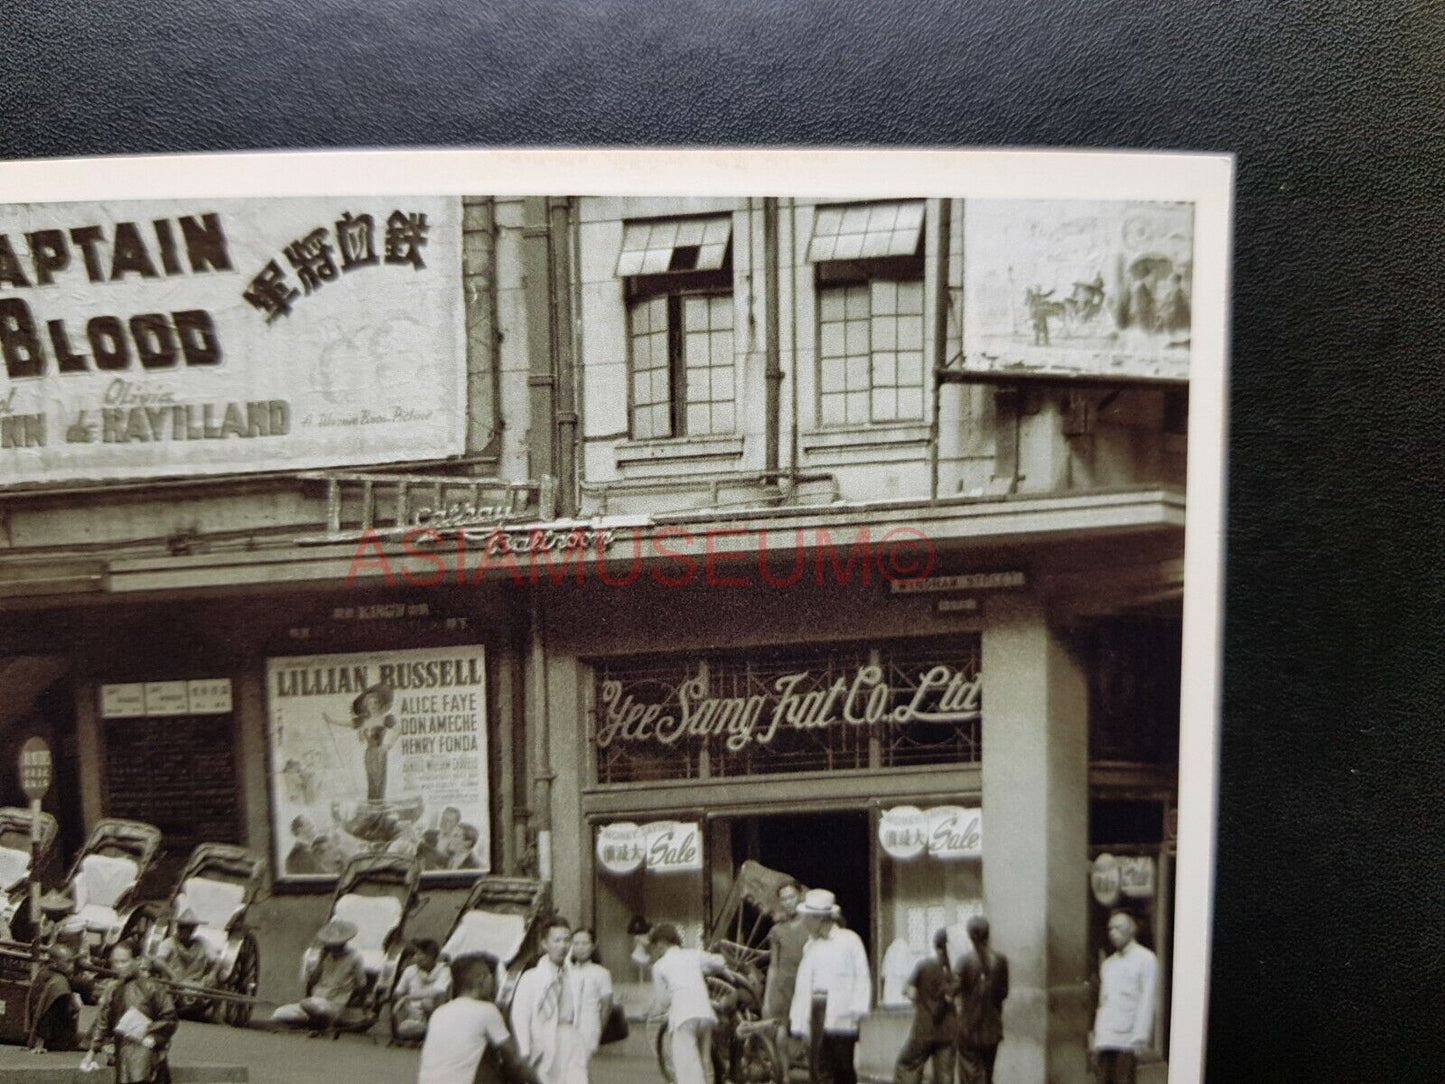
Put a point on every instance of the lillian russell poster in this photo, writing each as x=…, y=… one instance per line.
x=381, y=751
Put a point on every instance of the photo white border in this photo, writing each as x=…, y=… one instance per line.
x=1206, y=180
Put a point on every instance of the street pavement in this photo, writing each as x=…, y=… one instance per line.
x=293, y=1058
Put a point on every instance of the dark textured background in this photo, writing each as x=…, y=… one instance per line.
x=1329, y=952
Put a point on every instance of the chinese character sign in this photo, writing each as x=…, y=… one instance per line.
x=379, y=752
x=182, y=337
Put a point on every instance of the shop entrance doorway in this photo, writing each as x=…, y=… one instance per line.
x=821, y=850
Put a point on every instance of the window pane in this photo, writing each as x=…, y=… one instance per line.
x=689, y=232
x=856, y=301
x=885, y=369
x=642, y=423
x=664, y=235
x=833, y=375
x=875, y=244
x=656, y=260
x=661, y=386
x=834, y=410
x=697, y=418
x=831, y=303
x=722, y=384
x=881, y=217
x=910, y=297
x=661, y=421
x=697, y=386
x=722, y=348
x=721, y=311
x=910, y=215
x=883, y=295
x=694, y=313
x=723, y=420
x=910, y=368
x=885, y=405
x=857, y=337
x=641, y=389
x=830, y=340
x=695, y=348
x=849, y=247
x=716, y=231
x=855, y=218
x=910, y=403
x=858, y=372
x=910, y=333
x=858, y=407
x=629, y=263
x=710, y=257
x=828, y=222
x=885, y=333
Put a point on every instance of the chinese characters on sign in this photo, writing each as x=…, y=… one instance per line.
x=946, y=832
x=660, y=847
x=313, y=258
x=379, y=752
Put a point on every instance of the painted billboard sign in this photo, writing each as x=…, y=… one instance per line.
x=148, y=339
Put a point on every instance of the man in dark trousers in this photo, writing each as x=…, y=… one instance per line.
x=982, y=987
x=935, y=1025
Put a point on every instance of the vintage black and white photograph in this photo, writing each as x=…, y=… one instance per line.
x=612, y=616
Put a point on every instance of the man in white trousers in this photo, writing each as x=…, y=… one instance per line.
x=678, y=977
x=544, y=1011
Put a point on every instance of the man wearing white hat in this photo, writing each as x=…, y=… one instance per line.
x=833, y=991
x=338, y=976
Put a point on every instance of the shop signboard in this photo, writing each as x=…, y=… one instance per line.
x=672, y=846
x=620, y=848
x=144, y=339
x=158, y=699
x=955, y=832
x=379, y=751
x=1104, y=880
x=1136, y=877
x=903, y=832
x=1078, y=289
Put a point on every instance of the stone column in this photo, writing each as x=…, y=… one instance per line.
x=1035, y=810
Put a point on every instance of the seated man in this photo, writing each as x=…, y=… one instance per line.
x=55, y=1005
x=423, y=986
x=338, y=976
x=186, y=960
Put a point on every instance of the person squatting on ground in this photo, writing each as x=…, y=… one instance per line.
x=591, y=985
x=544, y=1011
x=467, y=1027
x=136, y=1013
x=931, y=988
x=1128, y=985
x=786, y=941
x=185, y=959
x=833, y=992
x=982, y=988
x=339, y=974
x=680, y=986
x=423, y=987
x=54, y=1007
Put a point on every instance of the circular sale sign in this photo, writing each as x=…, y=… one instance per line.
x=620, y=847
x=35, y=768
x=1105, y=880
x=903, y=832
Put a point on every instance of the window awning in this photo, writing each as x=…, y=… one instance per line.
x=656, y=246
x=861, y=231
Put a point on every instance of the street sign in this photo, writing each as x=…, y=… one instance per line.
x=35, y=768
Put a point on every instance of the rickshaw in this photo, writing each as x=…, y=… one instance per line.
x=501, y=916
x=376, y=893
x=218, y=883
x=104, y=882
x=744, y=1043
x=15, y=865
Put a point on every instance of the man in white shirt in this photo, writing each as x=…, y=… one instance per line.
x=678, y=977
x=544, y=1010
x=467, y=1026
x=833, y=992
x=1128, y=985
x=423, y=987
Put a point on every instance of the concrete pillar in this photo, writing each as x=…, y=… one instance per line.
x=1035, y=807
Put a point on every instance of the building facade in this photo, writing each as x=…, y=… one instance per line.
x=818, y=533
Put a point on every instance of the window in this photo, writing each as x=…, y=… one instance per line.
x=869, y=264
x=680, y=323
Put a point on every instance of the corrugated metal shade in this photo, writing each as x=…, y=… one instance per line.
x=861, y=231
x=651, y=247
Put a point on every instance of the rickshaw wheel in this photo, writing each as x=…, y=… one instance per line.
x=242, y=980
x=664, y=1054
x=758, y=1061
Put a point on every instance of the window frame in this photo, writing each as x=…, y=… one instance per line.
x=675, y=288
